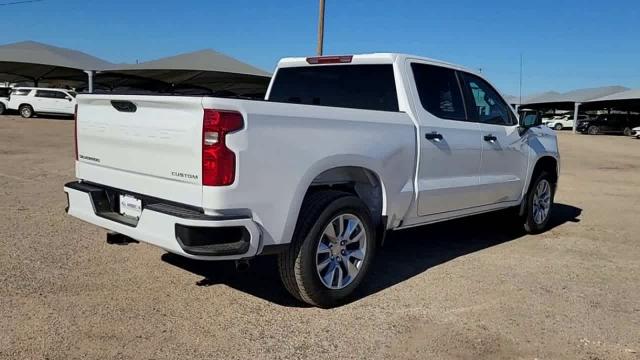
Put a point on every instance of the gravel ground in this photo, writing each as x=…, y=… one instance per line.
x=457, y=290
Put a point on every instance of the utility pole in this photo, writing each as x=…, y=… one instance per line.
x=321, y=28
x=520, y=79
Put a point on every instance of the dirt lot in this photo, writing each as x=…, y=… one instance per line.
x=464, y=289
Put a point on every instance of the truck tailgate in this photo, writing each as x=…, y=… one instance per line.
x=149, y=145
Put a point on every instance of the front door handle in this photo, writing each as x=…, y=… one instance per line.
x=490, y=138
x=433, y=136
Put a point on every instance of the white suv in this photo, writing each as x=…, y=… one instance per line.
x=29, y=101
x=564, y=121
x=4, y=98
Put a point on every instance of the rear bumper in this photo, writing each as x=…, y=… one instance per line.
x=179, y=230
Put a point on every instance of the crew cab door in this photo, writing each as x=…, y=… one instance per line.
x=504, y=154
x=449, y=145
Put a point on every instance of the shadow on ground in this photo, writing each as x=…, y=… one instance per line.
x=406, y=253
x=40, y=116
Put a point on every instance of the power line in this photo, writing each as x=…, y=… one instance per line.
x=20, y=2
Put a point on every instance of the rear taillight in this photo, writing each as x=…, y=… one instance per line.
x=75, y=130
x=343, y=59
x=218, y=161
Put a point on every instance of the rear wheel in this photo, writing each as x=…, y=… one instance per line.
x=627, y=131
x=539, y=203
x=593, y=130
x=558, y=127
x=26, y=111
x=331, y=250
x=2, y=108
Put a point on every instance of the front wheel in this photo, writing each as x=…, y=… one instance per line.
x=593, y=130
x=558, y=127
x=539, y=203
x=331, y=250
x=627, y=131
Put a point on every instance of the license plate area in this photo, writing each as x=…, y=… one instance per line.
x=130, y=206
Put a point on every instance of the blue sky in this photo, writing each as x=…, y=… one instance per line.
x=565, y=44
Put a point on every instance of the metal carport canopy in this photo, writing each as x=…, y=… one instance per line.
x=34, y=61
x=573, y=99
x=206, y=69
x=567, y=101
x=625, y=101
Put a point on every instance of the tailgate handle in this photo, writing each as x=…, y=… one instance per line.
x=124, y=106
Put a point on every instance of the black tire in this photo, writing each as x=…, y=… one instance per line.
x=2, y=108
x=593, y=130
x=530, y=224
x=26, y=111
x=558, y=127
x=297, y=265
x=627, y=131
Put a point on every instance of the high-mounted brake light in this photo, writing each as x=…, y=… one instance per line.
x=218, y=161
x=75, y=130
x=343, y=59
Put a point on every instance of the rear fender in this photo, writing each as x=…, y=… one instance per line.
x=320, y=167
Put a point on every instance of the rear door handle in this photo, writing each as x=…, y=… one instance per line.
x=433, y=136
x=490, y=138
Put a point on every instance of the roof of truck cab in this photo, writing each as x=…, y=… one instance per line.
x=373, y=58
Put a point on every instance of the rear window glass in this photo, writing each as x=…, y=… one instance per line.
x=369, y=87
x=4, y=92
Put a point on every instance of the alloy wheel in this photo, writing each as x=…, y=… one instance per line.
x=541, y=202
x=341, y=251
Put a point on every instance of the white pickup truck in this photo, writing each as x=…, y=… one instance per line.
x=343, y=149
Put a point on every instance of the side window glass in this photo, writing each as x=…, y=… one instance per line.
x=439, y=91
x=487, y=104
x=46, y=94
x=20, y=92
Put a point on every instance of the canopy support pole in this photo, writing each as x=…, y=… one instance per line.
x=575, y=117
x=90, y=74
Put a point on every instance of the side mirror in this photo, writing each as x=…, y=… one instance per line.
x=68, y=98
x=529, y=119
